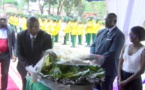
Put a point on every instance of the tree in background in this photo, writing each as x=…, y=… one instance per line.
x=3, y=3
x=51, y=3
x=98, y=7
x=41, y=5
x=60, y=5
x=78, y=7
x=68, y=6
x=14, y=2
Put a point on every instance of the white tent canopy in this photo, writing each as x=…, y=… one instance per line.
x=130, y=13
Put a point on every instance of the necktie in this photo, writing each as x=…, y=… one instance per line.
x=32, y=41
x=105, y=35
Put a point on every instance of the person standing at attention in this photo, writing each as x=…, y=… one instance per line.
x=31, y=44
x=7, y=46
x=107, y=47
x=132, y=61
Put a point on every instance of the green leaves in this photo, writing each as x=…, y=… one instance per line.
x=71, y=74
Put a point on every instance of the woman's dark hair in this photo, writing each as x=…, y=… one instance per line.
x=139, y=31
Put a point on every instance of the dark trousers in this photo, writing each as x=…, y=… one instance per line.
x=133, y=85
x=66, y=38
x=107, y=84
x=5, y=62
x=88, y=39
x=93, y=37
x=80, y=39
x=22, y=71
x=24, y=83
x=56, y=38
x=73, y=40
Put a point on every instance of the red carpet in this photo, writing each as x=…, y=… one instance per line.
x=11, y=83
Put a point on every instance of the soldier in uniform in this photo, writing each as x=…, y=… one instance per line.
x=89, y=28
x=81, y=29
x=74, y=32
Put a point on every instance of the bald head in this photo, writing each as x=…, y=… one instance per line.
x=111, y=20
x=32, y=19
x=112, y=16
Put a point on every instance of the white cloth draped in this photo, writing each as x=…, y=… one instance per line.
x=129, y=12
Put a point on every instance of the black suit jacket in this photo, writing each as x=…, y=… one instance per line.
x=11, y=41
x=28, y=55
x=11, y=44
x=110, y=48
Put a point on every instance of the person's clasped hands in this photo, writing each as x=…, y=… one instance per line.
x=121, y=84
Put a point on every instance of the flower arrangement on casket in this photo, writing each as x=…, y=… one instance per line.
x=66, y=67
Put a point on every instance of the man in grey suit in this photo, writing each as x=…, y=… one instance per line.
x=31, y=44
x=7, y=46
x=107, y=47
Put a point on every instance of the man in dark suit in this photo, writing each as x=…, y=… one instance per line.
x=107, y=47
x=31, y=44
x=7, y=46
